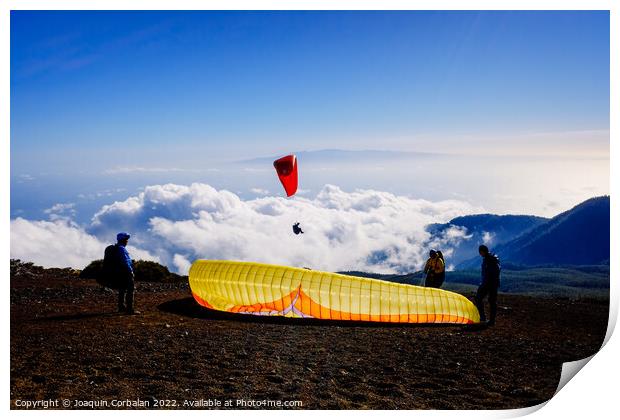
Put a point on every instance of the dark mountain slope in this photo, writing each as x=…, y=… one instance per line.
x=579, y=236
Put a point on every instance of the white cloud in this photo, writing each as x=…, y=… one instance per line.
x=139, y=169
x=181, y=263
x=456, y=233
x=249, y=169
x=487, y=237
x=60, y=211
x=99, y=194
x=361, y=230
x=59, y=243
x=259, y=191
x=24, y=178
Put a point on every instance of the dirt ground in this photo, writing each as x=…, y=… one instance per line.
x=68, y=343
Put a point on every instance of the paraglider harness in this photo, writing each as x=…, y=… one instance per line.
x=112, y=274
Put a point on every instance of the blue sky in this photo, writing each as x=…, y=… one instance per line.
x=246, y=83
x=514, y=104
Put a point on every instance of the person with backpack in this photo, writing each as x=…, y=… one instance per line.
x=490, y=274
x=118, y=273
x=433, y=269
x=442, y=275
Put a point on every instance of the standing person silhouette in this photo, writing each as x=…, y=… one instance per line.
x=489, y=284
x=433, y=269
x=441, y=276
x=117, y=265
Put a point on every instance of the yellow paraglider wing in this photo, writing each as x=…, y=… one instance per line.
x=263, y=289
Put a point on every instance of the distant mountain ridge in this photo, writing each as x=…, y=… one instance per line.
x=491, y=229
x=579, y=236
x=331, y=155
x=501, y=223
x=574, y=282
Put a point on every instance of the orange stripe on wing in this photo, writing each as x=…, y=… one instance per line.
x=306, y=305
x=276, y=305
x=201, y=301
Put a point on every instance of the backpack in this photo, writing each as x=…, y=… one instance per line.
x=493, y=268
x=109, y=275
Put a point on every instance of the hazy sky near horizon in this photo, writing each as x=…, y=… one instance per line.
x=514, y=104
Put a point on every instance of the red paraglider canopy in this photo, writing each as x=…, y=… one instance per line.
x=286, y=167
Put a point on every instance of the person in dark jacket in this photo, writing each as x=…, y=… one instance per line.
x=296, y=229
x=490, y=274
x=117, y=264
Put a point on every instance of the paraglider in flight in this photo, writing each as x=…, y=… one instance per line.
x=286, y=167
x=262, y=289
x=296, y=229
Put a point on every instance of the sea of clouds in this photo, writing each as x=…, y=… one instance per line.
x=363, y=230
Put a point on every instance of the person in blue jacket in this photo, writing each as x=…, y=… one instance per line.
x=117, y=263
x=489, y=273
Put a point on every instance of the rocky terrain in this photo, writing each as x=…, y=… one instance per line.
x=68, y=343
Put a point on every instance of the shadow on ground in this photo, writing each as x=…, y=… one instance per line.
x=188, y=307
